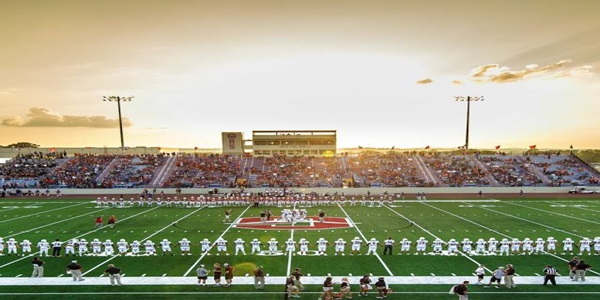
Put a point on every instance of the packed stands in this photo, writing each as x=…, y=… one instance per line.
x=392, y=169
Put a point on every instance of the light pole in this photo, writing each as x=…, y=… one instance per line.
x=119, y=99
x=468, y=99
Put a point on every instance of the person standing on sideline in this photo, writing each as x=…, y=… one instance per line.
x=580, y=270
x=388, y=246
x=202, y=274
x=321, y=216
x=462, y=290
x=76, y=271
x=217, y=271
x=259, y=278
x=345, y=291
x=112, y=221
x=508, y=277
x=550, y=274
x=114, y=274
x=38, y=268
x=229, y=274
x=480, y=272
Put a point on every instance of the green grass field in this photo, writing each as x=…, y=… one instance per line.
x=419, y=277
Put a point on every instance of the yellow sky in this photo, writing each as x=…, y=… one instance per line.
x=382, y=73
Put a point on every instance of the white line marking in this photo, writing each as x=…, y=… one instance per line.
x=224, y=232
x=365, y=239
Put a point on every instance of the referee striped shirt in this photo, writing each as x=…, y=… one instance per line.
x=550, y=271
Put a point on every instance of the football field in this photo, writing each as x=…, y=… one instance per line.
x=425, y=276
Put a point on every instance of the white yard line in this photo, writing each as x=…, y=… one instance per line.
x=492, y=230
x=24, y=257
x=433, y=235
x=550, y=212
x=146, y=238
x=17, y=207
x=40, y=213
x=530, y=221
x=290, y=253
x=50, y=224
x=223, y=234
x=365, y=239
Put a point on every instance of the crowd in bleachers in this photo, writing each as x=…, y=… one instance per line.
x=132, y=170
x=56, y=170
x=456, y=170
x=202, y=171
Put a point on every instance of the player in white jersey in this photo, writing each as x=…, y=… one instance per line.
x=255, y=244
x=551, y=245
x=504, y=247
x=437, y=245
x=452, y=247
x=480, y=246
x=568, y=246
x=135, y=247
x=70, y=248
x=82, y=247
x=515, y=246
x=96, y=246
x=1, y=246
x=597, y=245
x=492, y=246
x=44, y=246
x=26, y=247
x=239, y=246
x=149, y=247
x=405, y=246
x=273, y=245
x=122, y=246
x=355, y=244
x=108, y=248
x=527, y=246
x=539, y=246
x=12, y=246
x=340, y=246
x=303, y=246
x=467, y=245
x=421, y=246
x=221, y=246
x=205, y=246
x=584, y=246
x=322, y=246
x=184, y=246
x=372, y=246
x=165, y=245
x=290, y=245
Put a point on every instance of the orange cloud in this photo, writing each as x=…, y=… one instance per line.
x=42, y=117
x=425, y=81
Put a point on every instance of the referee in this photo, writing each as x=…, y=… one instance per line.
x=550, y=274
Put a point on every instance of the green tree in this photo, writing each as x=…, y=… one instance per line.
x=22, y=145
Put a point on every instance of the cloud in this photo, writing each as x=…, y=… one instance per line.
x=497, y=74
x=457, y=82
x=42, y=117
x=425, y=81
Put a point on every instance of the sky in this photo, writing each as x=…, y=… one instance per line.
x=381, y=73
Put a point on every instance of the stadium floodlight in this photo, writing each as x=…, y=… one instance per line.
x=119, y=99
x=468, y=99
